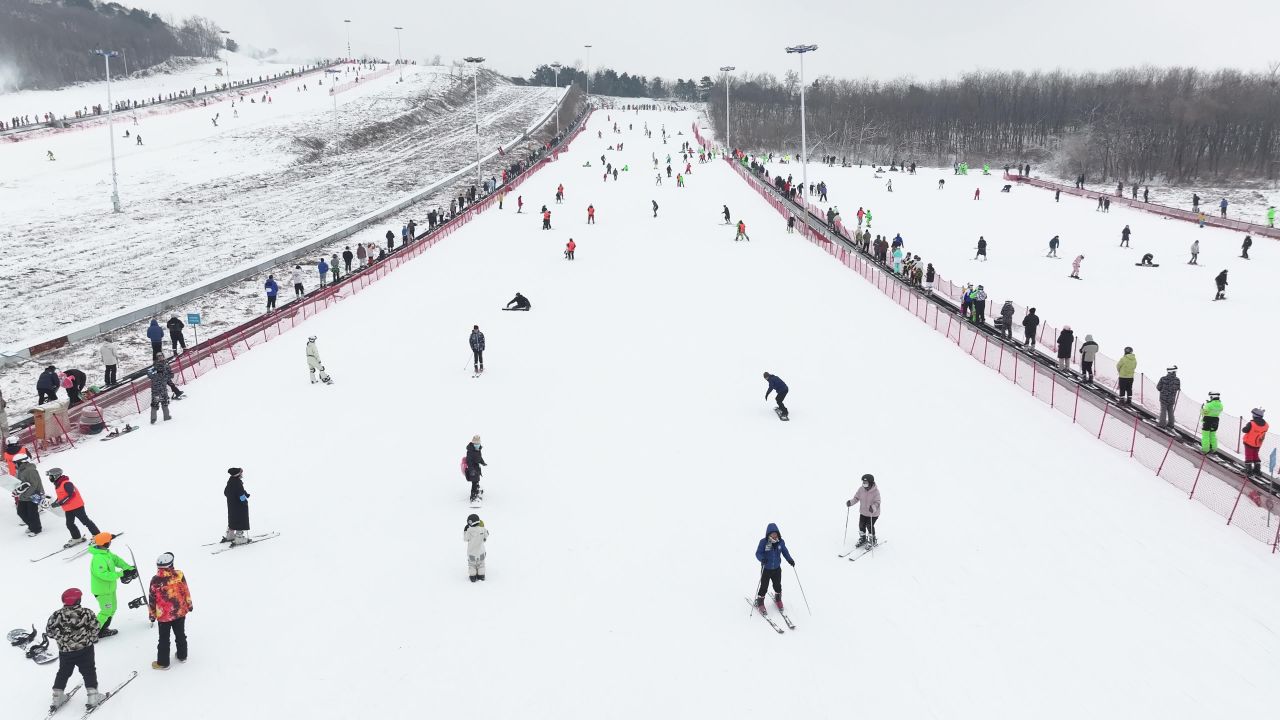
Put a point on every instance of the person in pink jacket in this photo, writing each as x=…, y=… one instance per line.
x=869, y=497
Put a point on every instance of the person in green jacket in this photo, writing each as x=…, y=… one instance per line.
x=1209, y=424
x=1125, y=368
x=105, y=569
x=1271, y=216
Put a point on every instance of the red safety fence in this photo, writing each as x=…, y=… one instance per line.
x=133, y=396
x=1170, y=212
x=1215, y=484
x=361, y=79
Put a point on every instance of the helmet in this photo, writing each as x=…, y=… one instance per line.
x=311, y=339
x=11, y=440
x=869, y=479
x=472, y=519
x=71, y=596
x=165, y=560
x=102, y=539
x=54, y=473
x=21, y=457
x=1258, y=412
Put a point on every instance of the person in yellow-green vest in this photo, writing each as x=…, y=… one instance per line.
x=105, y=569
x=1209, y=424
x=1125, y=368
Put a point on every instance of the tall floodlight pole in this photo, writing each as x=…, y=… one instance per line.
x=726, y=70
x=348, y=22
x=399, y=57
x=804, y=144
x=588, y=47
x=225, y=61
x=556, y=66
x=475, y=85
x=111, y=130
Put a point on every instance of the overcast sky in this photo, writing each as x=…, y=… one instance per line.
x=921, y=38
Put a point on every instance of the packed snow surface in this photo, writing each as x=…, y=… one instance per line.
x=633, y=464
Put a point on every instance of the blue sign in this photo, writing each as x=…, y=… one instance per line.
x=193, y=318
x=1273, y=461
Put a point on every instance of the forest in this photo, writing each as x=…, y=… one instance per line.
x=1133, y=125
x=50, y=44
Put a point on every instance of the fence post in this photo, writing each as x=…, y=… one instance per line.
x=1237, y=502
x=1015, y=368
x=1240, y=432
x=986, y=349
x=1275, y=542
x=1053, y=390
x=134, y=388
x=1133, y=442
x=1167, y=448
x=1200, y=469
x=64, y=429
x=1103, y=423
x=1075, y=410
x=1034, y=375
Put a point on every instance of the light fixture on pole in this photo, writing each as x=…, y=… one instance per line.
x=348, y=22
x=556, y=66
x=399, y=58
x=588, y=47
x=804, y=145
x=225, y=61
x=726, y=69
x=111, y=131
x=475, y=85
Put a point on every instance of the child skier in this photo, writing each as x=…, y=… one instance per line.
x=105, y=569
x=475, y=534
x=769, y=552
x=742, y=232
x=314, y=363
x=472, y=464
x=868, y=496
x=75, y=629
x=168, y=602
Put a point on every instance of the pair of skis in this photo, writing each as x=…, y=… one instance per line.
x=861, y=551
x=81, y=553
x=760, y=610
x=53, y=710
x=225, y=546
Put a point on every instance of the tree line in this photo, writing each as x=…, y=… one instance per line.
x=50, y=44
x=1132, y=125
x=606, y=81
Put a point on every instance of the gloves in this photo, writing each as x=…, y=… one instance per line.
x=793, y=563
x=848, y=503
x=768, y=545
x=244, y=497
x=37, y=498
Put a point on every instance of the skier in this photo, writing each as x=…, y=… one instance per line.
x=591, y=214
x=655, y=207
x=770, y=551
x=1006, y=319
x=1124, y=236
x=1125, y=368
x=475, y=534
x=1053, y=246
x=1271, y=216
x=472, y=464
x=521, y=303
x=1030, y=322
x=791, y=223
x=977, y=192
x=1088, y=353
x=72, y=504
x=1066, y=339
x=156, y=336
x=726, y=214
x=1195, y=253
x=175, y=333
x=314, y=363
x=1209, y=423
x=75, y=629
x=237, y=508
x=569, y=247
x=105, y=569
x=1075, y=267
x=272, y=290
x=168, y=602
x=28, y=501
x=868, y=496
x=1221, y=281
x=742, y=232
x=477, y=349
x=1168, y=386
x=982, y=249
x=1244, y=247
x=161, y=378
x=546, y=219
x=777, y=385
x=1255, y=432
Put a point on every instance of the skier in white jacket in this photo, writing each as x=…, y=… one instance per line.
x=296, y=279
x=314, y=364
x=475, y=534
x=109, y=361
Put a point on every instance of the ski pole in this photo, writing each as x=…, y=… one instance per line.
x=806, y=599
x=753, y=607
x=846, y=524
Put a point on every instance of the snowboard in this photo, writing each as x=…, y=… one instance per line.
x=117, y=432
x=783, y=418
x=1151, y=265
x=19, y=637
x=39, y=653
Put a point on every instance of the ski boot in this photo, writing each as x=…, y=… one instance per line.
x=239, y=539
x=872, y=542
x=59, y=699
x=777, y=601
x=73, y=542
x=861, y=541
x=759, y=605
x=472, y=578
x=480, y=578
x=107, y=632
x=93, y=698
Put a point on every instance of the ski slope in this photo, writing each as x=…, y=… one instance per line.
x=633, y=464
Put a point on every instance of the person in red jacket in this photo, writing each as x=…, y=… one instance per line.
x=519, y=203
x=168, y=602
x=560, y=194
x=1255, y=432
x=72, y=504
x=569, y=248
x=546, y=219
x=591, y=214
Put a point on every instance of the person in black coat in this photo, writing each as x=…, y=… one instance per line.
x=1030, y=322
x=47, y=385
x=237, y=508
x=1066, y=343
x=1221, y=281
x=475, y=460
x=78, y=381
x=521, y=303
x=175, y=333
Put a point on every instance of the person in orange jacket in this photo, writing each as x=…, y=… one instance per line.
x=591, y=214
x=546, y=219
x=1255, y=432
x=72, y=504
x=168, y=602
x=569, y=248
x=560, y=193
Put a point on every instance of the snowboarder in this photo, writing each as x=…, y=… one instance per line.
x=156, y=336
x=1221, y=282
x=868, y=499
x=1125, y=368
x=296, y=279
x=521, y=303
x=1168, y=386
x=770, y=551
x=477, y=349
x=1053, y=246
x=777, y=385
x=1244, y=247
x=72, y=504
x=1209, y=423
x=726, y=214
x=1148, y=260
x=175, y=333
x=742, y=232
x=655, y=207
x=75, y=629
x=314, y=363
x=1075, y=267
x=1195, y=253
x=1124, y=236
x=168, y=602
x=28, y=501
x=569, y=247
x=1066, y=339
x=475, y=534
x=273, y=289
x=1088, y=353
x=472, y=464
x=982, y=249
x=237, y=508
x=1255, y=432
x=161, y=378
x=105, y=570
x=1030, y=322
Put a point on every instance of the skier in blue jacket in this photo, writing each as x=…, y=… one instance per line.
x=156, y=335
x=776, y=385
x=273, y=288
x=769, y=552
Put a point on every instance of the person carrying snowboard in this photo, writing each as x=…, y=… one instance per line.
x=477, y=349
x=777, y=385
x=106, y=569
x=475, y=534
x=472, y=464
x=75, y=628
x=237, y=508
x=521, y=303
x=1221, y=282
x=72, y=504
x=168, y=602
x=868, y=499
x=314, y=363
x=1209, y=423
x=769, y=552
